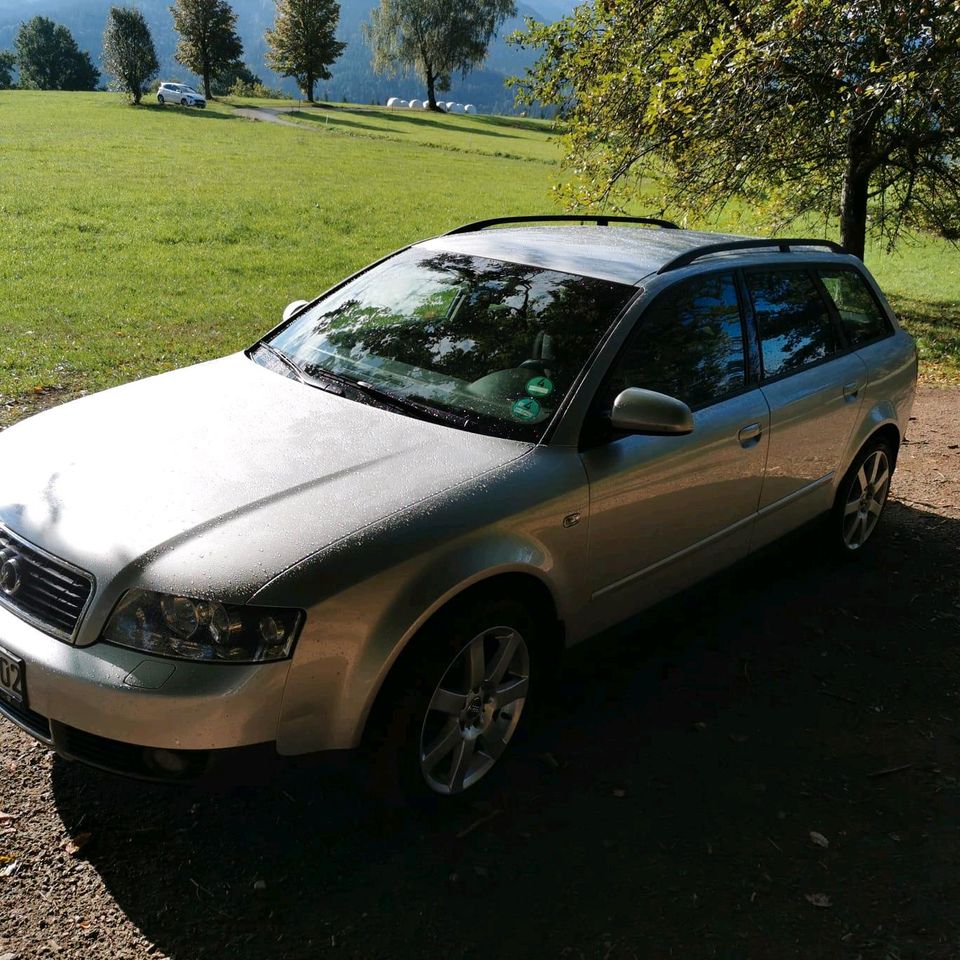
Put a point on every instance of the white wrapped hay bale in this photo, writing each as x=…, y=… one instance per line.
x=469, y=108
x=415, y=104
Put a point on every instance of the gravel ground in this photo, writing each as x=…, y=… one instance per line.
x=763, y=767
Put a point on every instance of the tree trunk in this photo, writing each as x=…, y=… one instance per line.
x=431, y=94
x=309, y=91
x=206, y=81
x=853, y=198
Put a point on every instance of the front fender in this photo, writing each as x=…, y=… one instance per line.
x=369, y=595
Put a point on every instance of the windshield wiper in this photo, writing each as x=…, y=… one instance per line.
x=405, y=404
x=385, y=398
x=284, y=359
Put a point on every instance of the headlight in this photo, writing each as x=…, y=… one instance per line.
x=188, y=629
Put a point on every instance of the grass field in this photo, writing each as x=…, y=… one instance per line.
x=135, y=240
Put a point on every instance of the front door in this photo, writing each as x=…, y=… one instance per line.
x=665, y=511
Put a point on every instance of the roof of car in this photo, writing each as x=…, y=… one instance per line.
x=620, y=254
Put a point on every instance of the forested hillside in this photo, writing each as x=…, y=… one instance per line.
x=353, y=77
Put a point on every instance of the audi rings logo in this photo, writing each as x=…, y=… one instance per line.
x=10, y=579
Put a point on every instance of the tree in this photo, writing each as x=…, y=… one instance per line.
x=49, y=59
x=208, y=37
x=7, y=64
x=230, y=75
x=128, y=51
x=302, y=43
x=834, y=108
x=435, y=37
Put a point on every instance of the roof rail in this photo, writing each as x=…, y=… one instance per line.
x=783, y=245
x=599, y=220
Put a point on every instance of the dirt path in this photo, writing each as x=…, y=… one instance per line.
x=765, y=767
x=270, y=115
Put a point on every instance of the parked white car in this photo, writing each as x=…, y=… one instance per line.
x=180, y=93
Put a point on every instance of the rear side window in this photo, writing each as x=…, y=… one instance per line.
x=687, y=344
x=860, y=315
x=792, y=319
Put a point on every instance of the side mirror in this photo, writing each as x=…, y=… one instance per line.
x=644, y=411
x=293, y=307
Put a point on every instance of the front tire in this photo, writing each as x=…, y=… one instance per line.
x=160, y=100
x=457, y=698
x=183, y=102
x=861, y=498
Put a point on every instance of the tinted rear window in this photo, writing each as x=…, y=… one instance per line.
x=860, y=314
x=792, y=319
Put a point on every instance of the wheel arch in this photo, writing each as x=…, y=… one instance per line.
x=521, y=583
x=890, y=434
x=880, y=423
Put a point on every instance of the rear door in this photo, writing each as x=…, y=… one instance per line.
x=665, y=511
x=814, y=385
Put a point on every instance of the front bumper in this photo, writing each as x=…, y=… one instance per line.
x=129, y=698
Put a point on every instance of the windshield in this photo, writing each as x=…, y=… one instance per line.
x=487, y=345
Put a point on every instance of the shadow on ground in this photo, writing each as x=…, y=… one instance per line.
x=334, y=120
x=666, y=809
x=408, y=117
x=195, y=112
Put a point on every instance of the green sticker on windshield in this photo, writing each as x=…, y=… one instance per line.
x=526, y=409
x=540, y=387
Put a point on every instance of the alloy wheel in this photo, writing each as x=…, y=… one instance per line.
x=865, y=499
x=474, y=710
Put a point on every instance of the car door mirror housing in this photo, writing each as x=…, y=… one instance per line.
x=644, y=411
x=293, y=307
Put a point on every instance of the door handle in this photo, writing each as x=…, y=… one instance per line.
x=749, y=434
x=851, y=389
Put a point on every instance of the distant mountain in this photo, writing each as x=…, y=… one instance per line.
x=353, y=77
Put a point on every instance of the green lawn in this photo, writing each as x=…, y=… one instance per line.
x=133, y=240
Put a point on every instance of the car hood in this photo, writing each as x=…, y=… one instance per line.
x=214, y=478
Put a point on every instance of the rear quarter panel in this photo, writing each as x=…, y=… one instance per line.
x=890, y=391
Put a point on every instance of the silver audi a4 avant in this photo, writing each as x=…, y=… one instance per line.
x=381, y=524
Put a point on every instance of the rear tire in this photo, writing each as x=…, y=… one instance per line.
x=183, y=102
x=457, y=698
x=861, y=497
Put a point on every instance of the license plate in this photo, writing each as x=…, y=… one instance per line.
x=12, y=683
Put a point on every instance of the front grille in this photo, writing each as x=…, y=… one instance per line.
x=32, y=722
x=45, y=591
